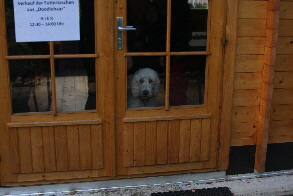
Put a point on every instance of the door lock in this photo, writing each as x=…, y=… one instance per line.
x=120, y=29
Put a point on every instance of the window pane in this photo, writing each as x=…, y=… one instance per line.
x=149, y=18
x=75, y=84
x=31, y=85
x=86, y=44
x=187, y=80
x=189, y=25
x=23, y=48
x=145, y=87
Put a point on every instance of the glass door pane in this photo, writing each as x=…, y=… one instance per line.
x=189, y=25
x=187, y=80
x=75, y=84
x=182, y=77
x=41, y=70
x=30, y=85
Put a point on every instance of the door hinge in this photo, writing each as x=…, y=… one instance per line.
x=218, y=145
x=224, y=41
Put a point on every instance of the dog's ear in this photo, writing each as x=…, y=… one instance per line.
x=156, y=86
x=134, y=87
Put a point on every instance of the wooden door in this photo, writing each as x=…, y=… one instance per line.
x=54, y=122
x=64, y=111
x=182, y=43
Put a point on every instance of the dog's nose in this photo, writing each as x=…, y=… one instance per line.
x=145, y=92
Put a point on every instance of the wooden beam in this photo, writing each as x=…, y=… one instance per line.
x=267, y=84
x=228, y=84
x=5, y=107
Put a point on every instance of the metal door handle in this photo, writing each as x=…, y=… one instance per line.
x=120, y=29
x=128, y=28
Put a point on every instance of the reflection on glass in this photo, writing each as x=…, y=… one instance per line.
x=86, y=44
x=189, y=25
x=187, y=80
x=30, y=85
x=145, y=86
x=75, y=84
x=22, y=48
x=150, y=22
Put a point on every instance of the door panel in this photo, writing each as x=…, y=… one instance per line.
x=56, y=148
x=179, y=132
x=166, y=142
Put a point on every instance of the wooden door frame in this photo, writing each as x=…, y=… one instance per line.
x=4, y=92
x=229, y=59
x=106, y=47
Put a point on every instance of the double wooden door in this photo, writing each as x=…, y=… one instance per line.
x=68, y=115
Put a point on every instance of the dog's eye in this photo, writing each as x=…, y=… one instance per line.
x=141, y=80
x=150, y=81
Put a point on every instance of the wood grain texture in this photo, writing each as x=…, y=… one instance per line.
x=49, y=149
x=97, y=142
x=250, y=45
x=252, y=9
x=37, y=150
x=286, y=10
x=139, y=133
x=25, y=152
x=85, y=150
x=162, y=142
x=195, y=138
x=267, y=85
x=14, y=146
x=251, y=27
x=174, y=141
x=184, y=149
x=128, y=145
x=151, y=144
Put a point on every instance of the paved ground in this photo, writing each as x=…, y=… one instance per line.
x=269, y=184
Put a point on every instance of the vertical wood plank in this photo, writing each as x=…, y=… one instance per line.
x=195, y=140
x=267, y=84
x=151, y=144
x=215, y=70
x=85, y=147
x=49, y=149
x=53, y=82
x=139, y=143
x=61, y=148
x=5, y=105
x=37, y=149
x=128, y=145
x=73, y=147
x=97, y=146
x=205, y=139
x=14, y=153
x=173, y=141
x=184, y=141
x=25, y=151
x=162, y=142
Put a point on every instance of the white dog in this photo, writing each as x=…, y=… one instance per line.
x=144, y=88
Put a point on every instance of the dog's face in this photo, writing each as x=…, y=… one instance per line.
x=145, y=84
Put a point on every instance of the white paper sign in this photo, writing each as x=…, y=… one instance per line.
x=46, y=20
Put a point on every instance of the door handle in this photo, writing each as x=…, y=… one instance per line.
x=120, y=29
x=128, y=28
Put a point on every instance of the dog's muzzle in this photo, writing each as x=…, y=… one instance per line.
x=144, y=99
